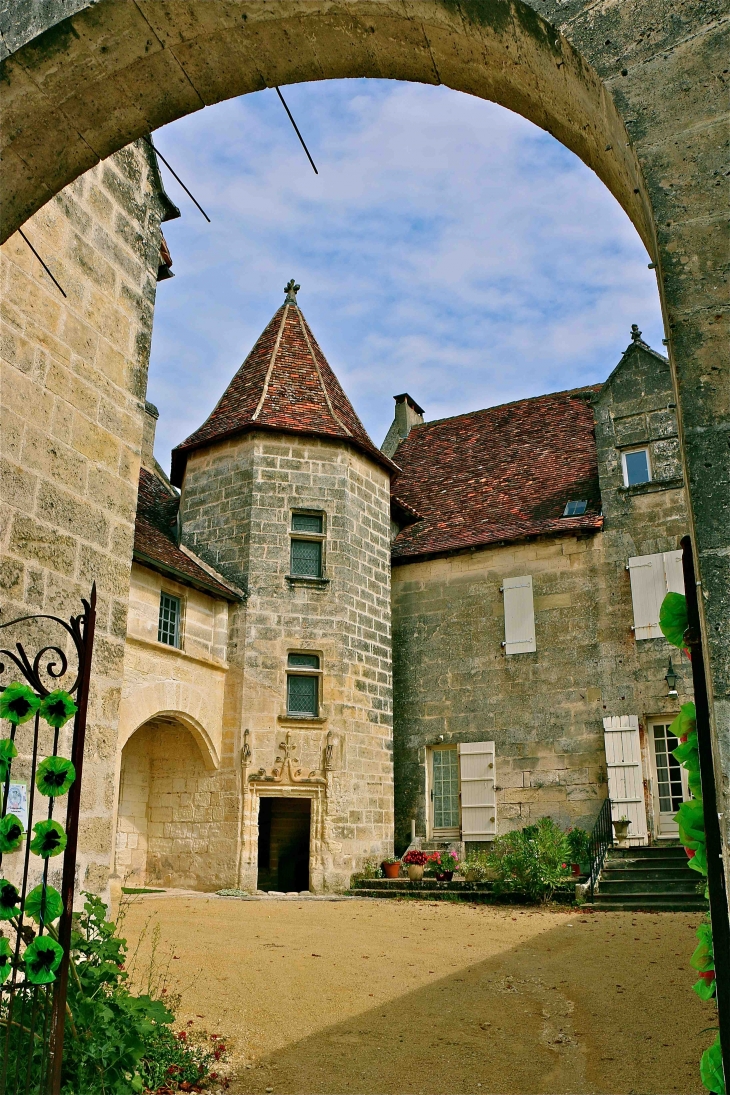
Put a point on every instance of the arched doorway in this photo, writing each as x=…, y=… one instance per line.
x=170, y=820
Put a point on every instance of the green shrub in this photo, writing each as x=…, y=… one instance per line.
x=579, y=843
x=475, y=866
x=117, y=1043
x=534, y=860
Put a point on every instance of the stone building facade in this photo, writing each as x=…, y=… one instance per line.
x=74, y=377
x=243, y=731
x=535, y=633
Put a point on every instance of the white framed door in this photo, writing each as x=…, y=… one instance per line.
x=444, y=807
x=669, y=785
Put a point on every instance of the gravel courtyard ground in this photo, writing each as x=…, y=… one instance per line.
x=383, y=997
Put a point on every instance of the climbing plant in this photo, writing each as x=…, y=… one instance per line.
x=673, y=622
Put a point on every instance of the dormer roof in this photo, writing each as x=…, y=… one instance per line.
x=285, y=384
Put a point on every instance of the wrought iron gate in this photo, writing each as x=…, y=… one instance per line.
x=38, y=783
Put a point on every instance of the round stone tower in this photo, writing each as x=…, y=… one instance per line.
x=284, y=493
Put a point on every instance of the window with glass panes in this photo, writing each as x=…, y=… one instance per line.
x=168, y=627
x=668, y=770
x=445, y=791
x=302, y=688
x=306, y=550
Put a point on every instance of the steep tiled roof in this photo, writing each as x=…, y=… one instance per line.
x=498, y=475
x=286, y=384
x=154, y=540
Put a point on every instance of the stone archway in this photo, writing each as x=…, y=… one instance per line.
x=173, y=828
x=636, y=90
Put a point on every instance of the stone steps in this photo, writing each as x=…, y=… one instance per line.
x=428, y=889
x=652, y=878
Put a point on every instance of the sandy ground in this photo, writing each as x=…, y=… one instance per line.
x=383, y=997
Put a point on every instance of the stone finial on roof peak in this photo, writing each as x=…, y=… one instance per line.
x=291, y=289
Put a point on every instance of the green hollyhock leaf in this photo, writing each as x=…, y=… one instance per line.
x=55, y=775
x=49, y=839
x=57, y=708
x=42, y=958
x=9, y=898
x=11, y=833
x=18, y=703
x=37, y=909
x=711, y=1072
x=704, y=989
x=687, y=719
x=698, y=862
x=673, y=620
x=688, y=754
x=8, y=752
x=691, y=820
x=6, y=956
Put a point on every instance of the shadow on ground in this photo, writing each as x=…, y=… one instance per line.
x=391, y=998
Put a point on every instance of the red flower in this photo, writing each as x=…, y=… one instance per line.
x=691, y=853
x=708, y=976
x=182, y=1036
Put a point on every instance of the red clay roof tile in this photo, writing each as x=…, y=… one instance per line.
x=286, y=384
x=154, y=542
x=498, y=475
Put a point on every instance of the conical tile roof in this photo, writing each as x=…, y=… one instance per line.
x=285, y=384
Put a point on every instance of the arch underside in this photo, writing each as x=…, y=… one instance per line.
x=115, y=71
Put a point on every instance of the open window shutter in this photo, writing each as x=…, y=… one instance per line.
x=648, y=586
x=674, y=572
x=625, y=778
x=519, y=615
x=478, y=794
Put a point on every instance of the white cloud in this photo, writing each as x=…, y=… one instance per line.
x=447, y=247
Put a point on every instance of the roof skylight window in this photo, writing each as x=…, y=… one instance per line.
x=575, y=509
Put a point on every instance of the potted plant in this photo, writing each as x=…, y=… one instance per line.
x=579, y=843
x=443, y=866
x=415, y=861
x=391, y=867
x=621, y=828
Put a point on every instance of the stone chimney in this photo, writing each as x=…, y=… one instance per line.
x=407, y=415
x=151, y=414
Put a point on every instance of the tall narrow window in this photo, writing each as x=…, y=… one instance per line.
x=445, y=788
x=168, y=627
x=307, y=541
x=302, y=685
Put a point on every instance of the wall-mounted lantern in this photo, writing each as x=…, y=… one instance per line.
x=671, y=679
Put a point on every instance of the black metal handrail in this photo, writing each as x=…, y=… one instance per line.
x=600, y=841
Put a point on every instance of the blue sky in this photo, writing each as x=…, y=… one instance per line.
x=447, y=248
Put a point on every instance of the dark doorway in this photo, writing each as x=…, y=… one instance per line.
x=284, y=844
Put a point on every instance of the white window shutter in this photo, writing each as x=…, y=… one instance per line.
x=648, y=586
x=625, y=777
x=478, y=792
x=674, y=571
x=519, y=615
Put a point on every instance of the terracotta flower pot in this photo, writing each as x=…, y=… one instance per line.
x=575, y=868
x=415, y=872
x=391, y=870
x=444, y=876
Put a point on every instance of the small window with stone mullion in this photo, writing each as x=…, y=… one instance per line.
x=302, y=685
x=307, y=543
x=168, y=626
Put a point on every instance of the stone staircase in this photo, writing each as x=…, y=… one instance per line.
x=428, y=889
x=649, y=878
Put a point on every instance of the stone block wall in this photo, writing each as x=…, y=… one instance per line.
x=73, y=386
x=236, y=513
x=178, y=820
